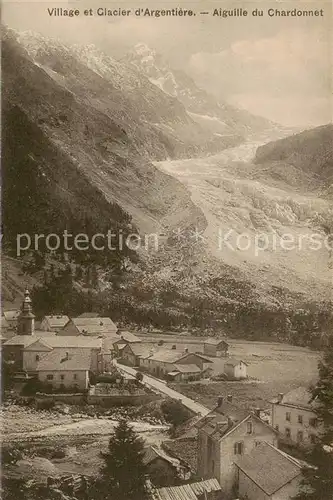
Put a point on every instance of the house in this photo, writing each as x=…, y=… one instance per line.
x=202, y=490
x=198, y=359
x=216, y=347
x=54, y=323
x=135, y=353
x=8, y=330
x=183, y=373
x=235, y=369
x=294, y=416
x=12, y=350
x=226, y=433
x=90, y=326
x=268, y=474
x=34, y=352
x=124, y=338
x=164, y=361
x=11, y=317
x=162, y=469
x=24, y=351
x=61, y=368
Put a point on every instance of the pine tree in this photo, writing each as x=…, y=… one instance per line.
x=123, y=475
x=318, y=480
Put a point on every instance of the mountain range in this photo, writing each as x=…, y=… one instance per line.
x=91, y=142
x=220, y=117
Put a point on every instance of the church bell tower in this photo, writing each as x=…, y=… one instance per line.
x=26, y=318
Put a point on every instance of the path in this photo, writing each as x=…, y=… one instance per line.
x=160, y=386
x=85, y=426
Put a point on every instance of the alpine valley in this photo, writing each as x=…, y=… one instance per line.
x=91, y=142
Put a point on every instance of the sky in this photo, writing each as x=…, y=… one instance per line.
x=279, y=68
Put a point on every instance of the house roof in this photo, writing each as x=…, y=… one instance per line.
x=127, y=337
x=60, y=360
x=141, y=349
x=52, y=340
x=187, y=368
x=186, y=491
x=11, y=315
x=300, y=398
x=21, y=340
x=44, y=333
x=222, y=419
x=73, y=341
x=234, y=362
x=94, y=326
x=152, y=452
x=167, y=355
x=214, y=341
x=57, y=321
x=269, y=468
x=199, y=355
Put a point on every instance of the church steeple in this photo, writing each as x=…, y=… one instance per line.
x=26, y=318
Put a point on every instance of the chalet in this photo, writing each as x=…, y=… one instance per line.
x=216, y=347
x=224, y=435
x=165, y=361
x=54, y=323
x=124, y=339
x=8, y=330
x=235, y=369
x=11, y=317
x=61, y=368
x=268, y=473
x=34, y=352
x=90, y=326
x=135, y=354
x=294, y=417
x=162, y=469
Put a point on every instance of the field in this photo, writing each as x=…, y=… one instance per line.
x=51, y=444
x=272, y=368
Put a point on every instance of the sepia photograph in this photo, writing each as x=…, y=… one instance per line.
x=166, y=250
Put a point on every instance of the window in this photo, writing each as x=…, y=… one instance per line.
x=299, y=436
x=288, y=416
x=313, y=422
x=62, y=377
x=288, y=433
x=277, y=428
x=257, y=443
x=313, y=438
x=49, y=377
x=249, y=427
x=238, y=448
x=300, y=419
x=37, y=357
x=75, y=376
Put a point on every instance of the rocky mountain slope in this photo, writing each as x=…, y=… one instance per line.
x=268, y=213
x=82, y=129
x=220, y=117
x=308, y=157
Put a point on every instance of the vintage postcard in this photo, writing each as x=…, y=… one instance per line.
x=166, y=250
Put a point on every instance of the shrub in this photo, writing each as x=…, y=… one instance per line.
x=174, y=412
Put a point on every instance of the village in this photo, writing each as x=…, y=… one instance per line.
x=225, y=450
